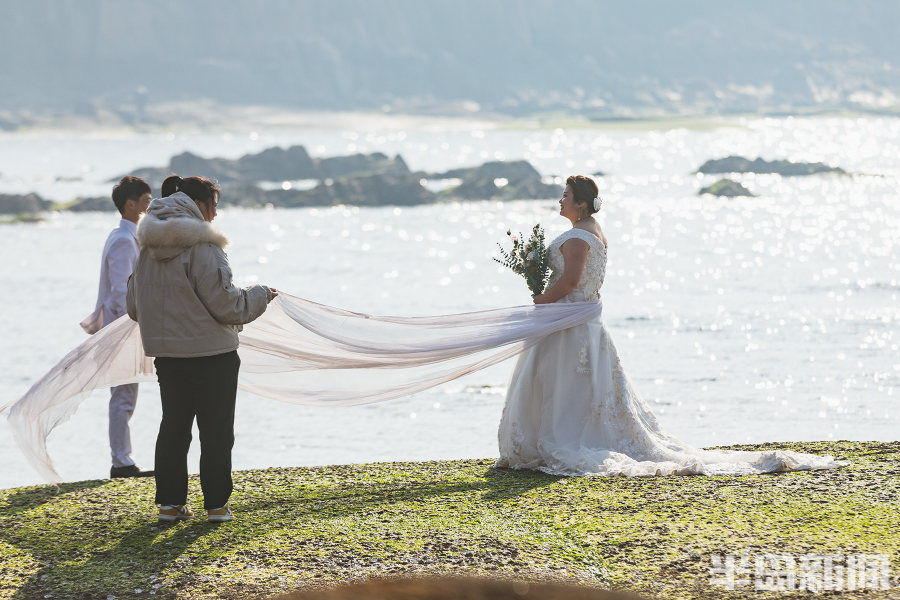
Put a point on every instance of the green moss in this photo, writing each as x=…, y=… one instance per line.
x=312, y=526
x=21, y=218
x=726, y=187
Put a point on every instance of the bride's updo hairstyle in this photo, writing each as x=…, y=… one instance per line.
x=584, y=190
x=200, y=189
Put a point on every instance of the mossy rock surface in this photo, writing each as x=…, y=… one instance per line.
x=727, y=188
x=22, y=204
x=21, y=218
x=88, y=204
x=301, y=527
x=739, y=164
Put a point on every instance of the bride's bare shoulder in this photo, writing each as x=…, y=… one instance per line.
x=594, y=228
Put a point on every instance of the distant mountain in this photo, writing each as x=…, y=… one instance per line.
x=508, y=56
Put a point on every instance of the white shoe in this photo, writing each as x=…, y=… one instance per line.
x=175, y=513
x=218, y=515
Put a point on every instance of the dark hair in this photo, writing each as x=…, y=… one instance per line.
x=200, y=189
x=128, y=187
x=584, y=190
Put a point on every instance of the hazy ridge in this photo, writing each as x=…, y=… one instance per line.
x=508, y=56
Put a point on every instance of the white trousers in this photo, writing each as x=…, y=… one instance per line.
x=121, y=406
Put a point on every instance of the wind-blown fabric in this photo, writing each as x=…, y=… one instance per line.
x=304, y=353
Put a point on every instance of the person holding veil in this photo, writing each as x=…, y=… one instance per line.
x=189, y=314
x=571, y=410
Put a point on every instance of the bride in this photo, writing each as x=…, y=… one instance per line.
x=570, y=409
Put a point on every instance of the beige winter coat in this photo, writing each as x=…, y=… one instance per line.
x=181, y=292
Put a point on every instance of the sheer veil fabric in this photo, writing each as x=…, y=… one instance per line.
x=304, y=353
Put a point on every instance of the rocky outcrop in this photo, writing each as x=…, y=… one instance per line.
x=359, y=164
x=370, y=190
x=396, y=186
x=727, y=188
x=92, y=203
x=272, y=164
x=739, y=164
x=364, y=190
x=513, y=170
x=497, y=180
x=22, y=204
x=249, y=196
x=492, y=189
x=358, y=179
x=277, y=164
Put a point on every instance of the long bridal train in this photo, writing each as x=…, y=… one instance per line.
x=304, y=353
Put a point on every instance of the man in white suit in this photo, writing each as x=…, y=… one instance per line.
x=131, y=197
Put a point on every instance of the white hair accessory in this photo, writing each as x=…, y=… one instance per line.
x=597, y=203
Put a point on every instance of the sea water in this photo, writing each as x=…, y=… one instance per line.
x=739, y=320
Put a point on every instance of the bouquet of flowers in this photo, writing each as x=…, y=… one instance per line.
x=529, y=259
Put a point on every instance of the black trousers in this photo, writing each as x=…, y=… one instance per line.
x=204, y=388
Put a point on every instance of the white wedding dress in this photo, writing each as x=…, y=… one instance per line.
x=570, y=409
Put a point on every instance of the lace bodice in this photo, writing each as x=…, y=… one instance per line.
x=588, y=287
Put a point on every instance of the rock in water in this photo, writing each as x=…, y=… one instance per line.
x=727, y=188
x=364, y=190
x=248, y=196
x=361, y=164
x=93, y=203
x=497, y=180
x=272, y=164
x=739, y=164
x=514, y=170
x=492, y=189
x=22, y=204
x=277, y=164
x=367, y=190
x=359, y=179
x=188, y=164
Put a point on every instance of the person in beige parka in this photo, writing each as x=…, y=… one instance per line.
x=189, y=313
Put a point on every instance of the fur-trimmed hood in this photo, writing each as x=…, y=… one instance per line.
x=173, y=224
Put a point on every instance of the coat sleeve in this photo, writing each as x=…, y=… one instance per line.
x=211, y=277
x=129, y=299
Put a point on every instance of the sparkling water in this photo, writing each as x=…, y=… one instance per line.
x=739, y=320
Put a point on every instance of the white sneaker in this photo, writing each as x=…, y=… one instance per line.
x=218, y=515
x=168, y=512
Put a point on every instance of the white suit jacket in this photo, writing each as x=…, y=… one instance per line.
x=120, y=254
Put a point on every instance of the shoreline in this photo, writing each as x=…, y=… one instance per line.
x=780, y=444
x=214, y=119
